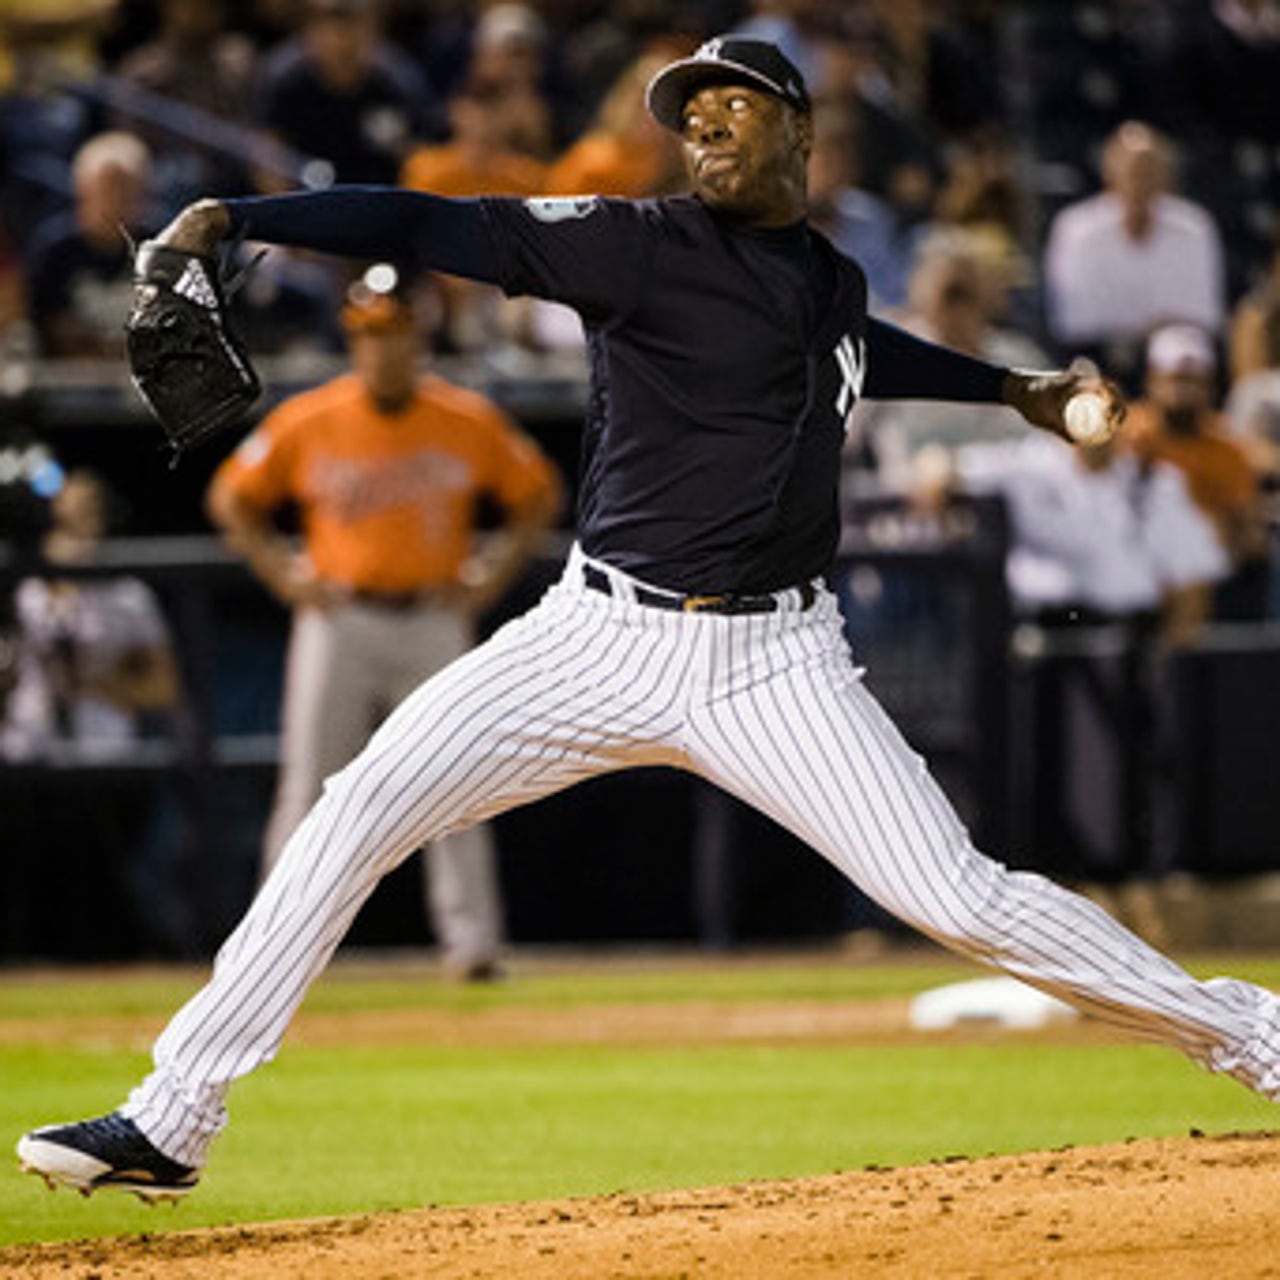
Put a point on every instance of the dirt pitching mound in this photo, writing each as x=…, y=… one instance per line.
x=1190, y=1207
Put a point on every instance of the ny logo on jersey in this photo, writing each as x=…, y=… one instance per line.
x=851, y=358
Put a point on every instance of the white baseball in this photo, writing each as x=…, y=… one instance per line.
x=1087, y=419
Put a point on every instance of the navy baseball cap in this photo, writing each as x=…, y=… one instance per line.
x=725, y=60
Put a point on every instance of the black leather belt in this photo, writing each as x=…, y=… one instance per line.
x=673, y=602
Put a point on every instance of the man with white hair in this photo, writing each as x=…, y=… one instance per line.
x=78, y=266
x=1132, y=256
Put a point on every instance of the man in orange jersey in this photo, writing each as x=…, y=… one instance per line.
x=385, y=467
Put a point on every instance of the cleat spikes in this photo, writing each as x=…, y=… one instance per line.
x=50, y=1182
x=153, y=1198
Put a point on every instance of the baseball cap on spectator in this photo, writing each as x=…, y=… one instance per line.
x=1181, y=348
x=726, y=60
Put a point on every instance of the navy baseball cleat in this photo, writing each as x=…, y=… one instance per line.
x=107, y=1152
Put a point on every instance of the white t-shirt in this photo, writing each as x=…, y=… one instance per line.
x=1114, y=540
x=1101, y=284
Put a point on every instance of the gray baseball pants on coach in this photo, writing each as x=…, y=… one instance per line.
x=347, y=667
x=771, y=707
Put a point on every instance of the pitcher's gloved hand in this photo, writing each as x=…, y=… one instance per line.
x=187, y=363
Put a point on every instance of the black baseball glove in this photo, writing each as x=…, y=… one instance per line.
x=188, y=365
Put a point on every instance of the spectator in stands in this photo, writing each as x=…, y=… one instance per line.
x=952, y=297
x=1097, y=537
x=78, y=265
x=511, y=52
x=1178, y=422
x=1098, y=534
x=1255, y=321
x=857, y=222
x=480, y=156
x=96, y=682
x=340, y=92
x=438, y=37
x=388, y=469
x=983, y=190
x=1133, y=256
x=194, y=60
x=95, y=656
x=480, y=159
x=1252, y=417
x=1253, y=405
x=625, y=152
x=44, y=117
x=984, y=196
x=899, y=160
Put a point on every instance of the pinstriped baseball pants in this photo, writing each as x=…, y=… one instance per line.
x=770, y=707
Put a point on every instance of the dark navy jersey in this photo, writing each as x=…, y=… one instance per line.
x=725, y=362
x=724, y=366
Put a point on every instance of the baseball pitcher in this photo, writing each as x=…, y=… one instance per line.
x=692, y=626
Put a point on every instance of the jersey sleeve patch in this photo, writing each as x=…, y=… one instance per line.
x=562, y=208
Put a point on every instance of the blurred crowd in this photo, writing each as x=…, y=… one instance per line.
x=1028, y=180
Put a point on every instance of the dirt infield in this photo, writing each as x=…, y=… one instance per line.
x=1191, y=1207
x=1173, y=1208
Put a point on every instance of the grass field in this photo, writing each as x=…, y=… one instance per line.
x=344, y=1126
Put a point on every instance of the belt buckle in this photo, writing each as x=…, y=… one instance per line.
x=695, y=604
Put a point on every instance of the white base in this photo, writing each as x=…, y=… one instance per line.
x=1002, y=1002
